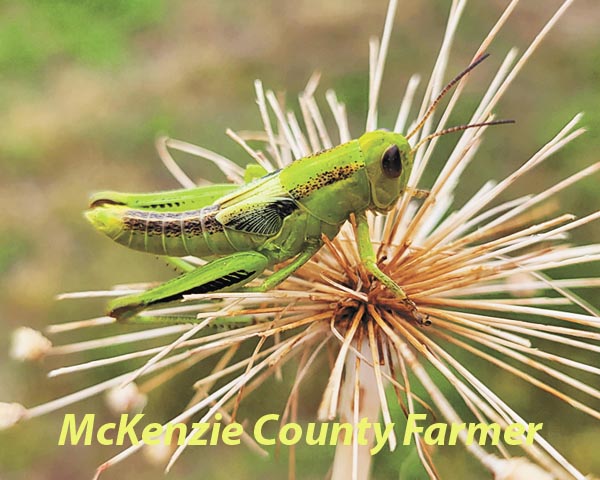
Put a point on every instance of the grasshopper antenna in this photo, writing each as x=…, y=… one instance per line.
x=446, y=89
x=459, y=128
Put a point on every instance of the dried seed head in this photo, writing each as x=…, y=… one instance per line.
x=126, y=399
x=11, y=414
x=158, y=454
x=28, y=344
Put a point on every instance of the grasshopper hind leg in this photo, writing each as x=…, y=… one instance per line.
x=222, y=274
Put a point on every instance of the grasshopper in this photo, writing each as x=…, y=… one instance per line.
x=280, y=216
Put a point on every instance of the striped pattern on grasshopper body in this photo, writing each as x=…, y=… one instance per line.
x=246, y=229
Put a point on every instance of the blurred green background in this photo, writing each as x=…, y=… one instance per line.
x=87, y=86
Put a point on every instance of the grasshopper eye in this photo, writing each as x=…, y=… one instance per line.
x=391, y=163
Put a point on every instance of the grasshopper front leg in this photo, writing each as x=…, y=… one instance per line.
x=222, y=274
x=280, y=275
x=367, y=256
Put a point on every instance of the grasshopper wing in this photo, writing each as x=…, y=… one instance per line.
x=259, y=217
x=258, y=208
x=259, y=190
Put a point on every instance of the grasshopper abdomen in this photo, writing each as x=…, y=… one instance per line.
x=163, y=233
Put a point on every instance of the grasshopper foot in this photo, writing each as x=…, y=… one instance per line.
x=414, y=311
x=123, y=309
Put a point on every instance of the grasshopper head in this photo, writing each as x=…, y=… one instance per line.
x=388, y=159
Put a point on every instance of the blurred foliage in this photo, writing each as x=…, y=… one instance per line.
x=86, y=88
x=35, y=33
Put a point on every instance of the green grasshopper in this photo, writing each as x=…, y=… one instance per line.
x=280, y=216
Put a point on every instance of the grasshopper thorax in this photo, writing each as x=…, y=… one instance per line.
x=388, y=160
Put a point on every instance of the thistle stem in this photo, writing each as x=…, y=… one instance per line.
x=358, y=400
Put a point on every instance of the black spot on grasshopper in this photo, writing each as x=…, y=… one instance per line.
x=173, y=224
x=323, y=179
x=208, y=221
x=161, y=205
